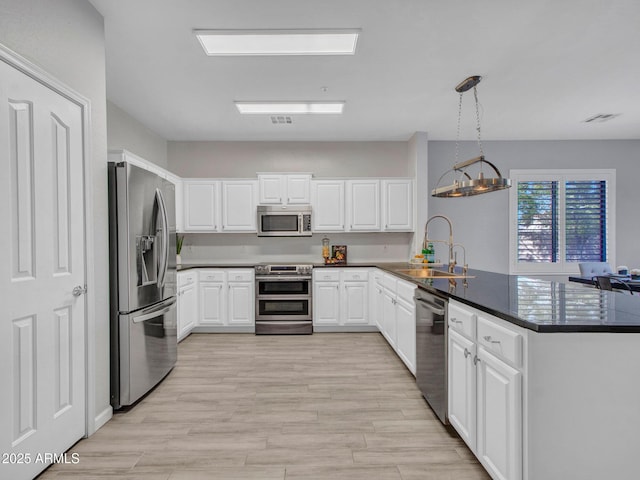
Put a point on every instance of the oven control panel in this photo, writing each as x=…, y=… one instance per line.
x=284, y=269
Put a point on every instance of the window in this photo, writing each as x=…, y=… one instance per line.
x=559, y=218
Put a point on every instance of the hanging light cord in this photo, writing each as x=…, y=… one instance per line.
x=458, y=132
x=475, y=96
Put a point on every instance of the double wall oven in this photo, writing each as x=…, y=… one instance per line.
x=283, y=299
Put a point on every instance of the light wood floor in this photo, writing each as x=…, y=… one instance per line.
x=238, y=406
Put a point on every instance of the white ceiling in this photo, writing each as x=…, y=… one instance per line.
x=547, y=65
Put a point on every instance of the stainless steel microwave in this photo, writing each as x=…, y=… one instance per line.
x=284, y=220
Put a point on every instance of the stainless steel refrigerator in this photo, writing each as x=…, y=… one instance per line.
x=142, y=238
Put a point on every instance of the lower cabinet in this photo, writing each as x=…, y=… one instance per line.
x=341, y=299
x=396, y=315
x=485, y=389
x=187, y=303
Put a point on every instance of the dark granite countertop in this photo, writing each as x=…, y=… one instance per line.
x=535, y=304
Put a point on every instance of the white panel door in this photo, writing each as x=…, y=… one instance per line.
x=298, y=189
x=363, y=205
x=406, y=334
x=201, y=205
x=212, y=297
x=389, y=317
x=326, y=303
x=462, y=387
x=499, y=443
x=239, y=205
x=271, y=189
x=327, y=202
x=397, y=205
x=241, y=303
x=355, y=303
x=42, y=328
x=187, y=310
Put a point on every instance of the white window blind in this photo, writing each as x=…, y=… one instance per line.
x=560, y=218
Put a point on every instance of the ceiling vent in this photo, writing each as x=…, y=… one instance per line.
x=602, y=117
x=281, y=120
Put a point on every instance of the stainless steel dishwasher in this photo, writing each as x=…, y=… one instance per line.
x=431, y=350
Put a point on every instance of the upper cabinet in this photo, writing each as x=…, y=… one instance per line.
x=201, y=205
x=239, y=205
x=363, y=205
x=327, y=204
x=397, y=205
x=284, y=189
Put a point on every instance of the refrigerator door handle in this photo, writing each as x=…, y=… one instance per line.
x=164, y=264
x=156, y=313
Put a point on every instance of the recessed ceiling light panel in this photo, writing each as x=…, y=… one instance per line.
x=278, y=42
x=289, y=108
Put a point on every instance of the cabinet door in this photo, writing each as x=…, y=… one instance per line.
x=327, y=202
x=187, y=310
x=239, y=205
x=389, y=317
x=378, y=305
x=397, y=205
x=272, y=189
x=499, y=443
x=212, y=303
x=298, y=189
x=241, y=303
x=462, y=387
x=201, y=205
x=406, y=334
x=363, y=205
x=326, y=301
x=355, y=303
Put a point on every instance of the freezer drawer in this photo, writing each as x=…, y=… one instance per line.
x=146, y=351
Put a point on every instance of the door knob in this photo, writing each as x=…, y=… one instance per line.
x=78, y=290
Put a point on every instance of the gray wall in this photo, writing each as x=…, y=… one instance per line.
x=481, y=223
x=66, y=39
x=125, y=132
x=324, y=159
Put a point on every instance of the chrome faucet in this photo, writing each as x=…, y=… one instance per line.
x=452, y=262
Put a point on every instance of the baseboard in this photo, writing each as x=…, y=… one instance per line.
x=247, y=329
x=346, y=328
x=102, y=418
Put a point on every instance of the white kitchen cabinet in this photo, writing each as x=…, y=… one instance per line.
x=363, y=205
x=201, y=205
x=239, y=201
x=179, y=201
x=397, y=205
x=406, y=332
x=341, y=298
x=398, y=318
x=187, y=310
x=499, y=414
x=377, y=299
x=284, y=189
x=226, y=299
x=327, y=204
x=485, y=389
x=241, y=298
x=462, y=387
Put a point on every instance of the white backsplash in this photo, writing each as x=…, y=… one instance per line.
x=233, y=248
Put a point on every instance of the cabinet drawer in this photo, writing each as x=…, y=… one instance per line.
x=186, y=278
x=211, y=276
x=325, y=275
x=352, y=275
x=389, y=282
x=500, y=340
x=462, y=321
x=234, y=275
x=405, y=291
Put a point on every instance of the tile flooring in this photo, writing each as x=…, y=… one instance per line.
x=238, y=406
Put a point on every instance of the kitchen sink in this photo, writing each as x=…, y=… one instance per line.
x=430, y=273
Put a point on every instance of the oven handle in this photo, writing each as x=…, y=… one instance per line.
x=281, y=277
x=288, y=296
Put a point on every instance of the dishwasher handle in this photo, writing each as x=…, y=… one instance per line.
x=435, y=308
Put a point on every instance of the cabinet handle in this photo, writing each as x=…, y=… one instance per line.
x=455, y=320
x=476, y=360
x=488, y=339
x=466, y=353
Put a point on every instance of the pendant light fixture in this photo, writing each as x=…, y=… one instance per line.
x=464, y=185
